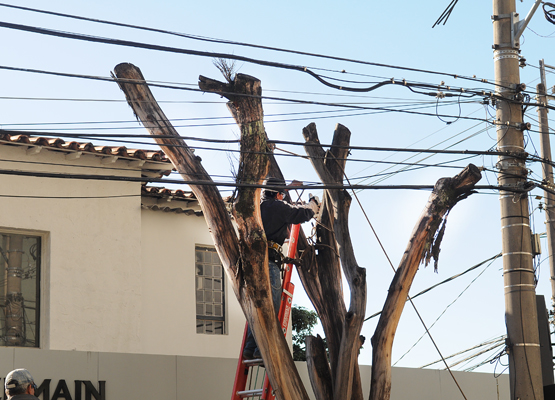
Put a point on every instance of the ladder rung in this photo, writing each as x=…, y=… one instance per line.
x=250, y=393
x=252, y=363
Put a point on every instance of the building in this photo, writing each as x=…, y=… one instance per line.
x=111, y=289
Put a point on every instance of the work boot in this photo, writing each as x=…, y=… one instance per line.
x=256, y=354
x=248, y=354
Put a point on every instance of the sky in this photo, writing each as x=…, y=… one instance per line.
x=470, y=309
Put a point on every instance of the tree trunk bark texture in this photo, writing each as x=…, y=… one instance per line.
x=146, y=109
x=341, y=326
x=245, y=260
x=245, y=103
x=423, y=244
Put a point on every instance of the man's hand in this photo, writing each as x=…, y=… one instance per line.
x=314, y=203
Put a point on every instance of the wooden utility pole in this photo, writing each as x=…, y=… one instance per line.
x=520, y=298
x=547, y=175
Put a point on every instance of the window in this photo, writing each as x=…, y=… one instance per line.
x=19, y=289
x=210, y=293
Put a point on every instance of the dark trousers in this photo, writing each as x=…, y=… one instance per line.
x=275, y=282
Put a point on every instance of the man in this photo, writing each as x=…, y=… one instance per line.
x=20, y=385
x=277, y=216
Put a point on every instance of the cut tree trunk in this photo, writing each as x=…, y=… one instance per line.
x=245, y=104
x=146, y=109
x=330, y=167
x=247, y=271
x=424, y=244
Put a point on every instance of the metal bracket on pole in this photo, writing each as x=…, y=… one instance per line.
x=519, y=26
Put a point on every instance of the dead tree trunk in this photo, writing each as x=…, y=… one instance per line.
x=423, y=245
x=245, y=260
x=245, y=104
x=147, y=110
x=346, y=343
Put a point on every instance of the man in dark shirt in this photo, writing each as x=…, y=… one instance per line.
x=277, y=216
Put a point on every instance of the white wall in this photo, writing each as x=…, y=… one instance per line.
x=91, y=287
x=138, y=376
x=168, y=287
x=115, y=278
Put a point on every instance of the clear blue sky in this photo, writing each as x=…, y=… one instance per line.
x=393, y=33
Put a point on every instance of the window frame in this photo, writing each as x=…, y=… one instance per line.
x=41, y=284
x=223, y=318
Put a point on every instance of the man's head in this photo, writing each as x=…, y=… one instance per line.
x=19, y=381
x=273, y=186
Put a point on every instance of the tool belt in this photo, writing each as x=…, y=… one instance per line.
x=274, y=251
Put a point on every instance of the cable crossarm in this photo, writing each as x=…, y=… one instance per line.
x=223, y=41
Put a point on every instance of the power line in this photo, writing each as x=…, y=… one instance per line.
x=279, y=142
x=128, y=43
x=37, y=174
x=207, y=39
x=350, y=113
x=451, y=278
x=295, y=101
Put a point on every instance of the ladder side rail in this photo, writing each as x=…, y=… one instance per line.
x=240, y=383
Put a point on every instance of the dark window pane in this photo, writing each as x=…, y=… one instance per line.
x=200, y=326
x=199, y=269
x=217, y=284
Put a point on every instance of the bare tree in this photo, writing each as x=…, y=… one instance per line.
x=245, y=256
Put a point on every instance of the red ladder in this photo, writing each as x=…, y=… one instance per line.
x=240, y=390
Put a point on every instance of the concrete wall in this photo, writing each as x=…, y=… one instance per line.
x=137, y=376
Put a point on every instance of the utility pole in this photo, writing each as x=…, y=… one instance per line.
x=547, y=175
x=521, y=319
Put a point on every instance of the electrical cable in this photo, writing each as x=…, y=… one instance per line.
x=408, y=297
x=446, y=308
x=549, y=14
x=445, y=281
x=446, y=14
x=197, y=37
x=293, y=101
